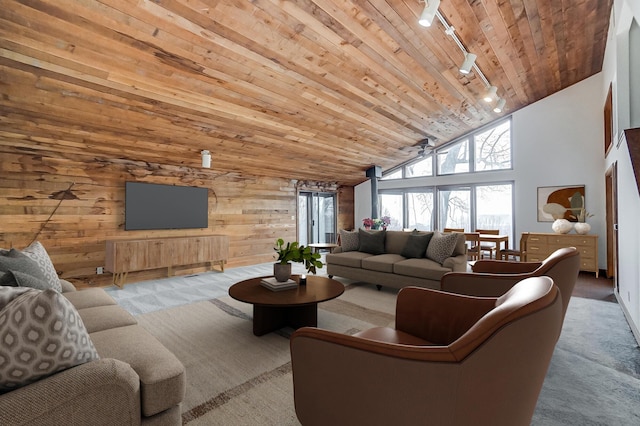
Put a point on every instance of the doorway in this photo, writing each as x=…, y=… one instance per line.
x=316, y=217
x=611, y=185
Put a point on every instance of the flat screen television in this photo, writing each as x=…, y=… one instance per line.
x=156, y=206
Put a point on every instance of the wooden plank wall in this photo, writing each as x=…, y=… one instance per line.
x=254, y=211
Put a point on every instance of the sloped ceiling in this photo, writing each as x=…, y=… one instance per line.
x=303, y=89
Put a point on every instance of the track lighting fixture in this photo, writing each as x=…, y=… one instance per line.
x=491, y=94
x=469, y=60
x=429, y=12
x=206, y=159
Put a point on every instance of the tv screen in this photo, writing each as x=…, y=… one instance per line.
x=156, y=206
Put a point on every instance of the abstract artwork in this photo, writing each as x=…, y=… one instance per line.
x=560, y=202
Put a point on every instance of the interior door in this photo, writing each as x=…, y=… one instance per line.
x=611, y=183
x=316, y=217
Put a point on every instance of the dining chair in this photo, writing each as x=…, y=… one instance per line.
x=517, y=254
x=472, y=240
x=488, y=248
x=453, y=230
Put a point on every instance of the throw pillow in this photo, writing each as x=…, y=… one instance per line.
x=416, y=245
x=41, y=334
x=371, y=242
x=349, y=240
x=20, y=279
x=14, y=260
x=38, y=253
x=441, y=246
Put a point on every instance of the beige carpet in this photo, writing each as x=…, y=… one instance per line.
x=236, y=378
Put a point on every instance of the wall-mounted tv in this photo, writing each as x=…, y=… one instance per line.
x=157, y=206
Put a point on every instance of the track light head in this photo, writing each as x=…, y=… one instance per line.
x=500, y=105
x=491, y=94
x=469, y=60
x=429, y=12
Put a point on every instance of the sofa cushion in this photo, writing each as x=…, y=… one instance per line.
x=162, y=375
x=416, y=246
x=38, y=253
x=41, y=334
x=352, y=259
x=442, y=246
x=381, y=262
x=420, y=268
x=100, y=318
x=395, y=241
x=371, y=241
x=89, y=298
x=349, y=240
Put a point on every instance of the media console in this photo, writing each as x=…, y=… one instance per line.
x=124, y=256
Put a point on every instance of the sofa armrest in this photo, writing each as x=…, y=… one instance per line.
x=437, y=316
x=481, y=285
x=504, y=266
x=456, y=263
x=337, y=249
x=101, y=392
x=67, y=286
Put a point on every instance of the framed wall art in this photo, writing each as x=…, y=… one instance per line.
x=560, y=202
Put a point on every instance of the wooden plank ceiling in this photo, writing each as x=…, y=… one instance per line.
x=303, y=89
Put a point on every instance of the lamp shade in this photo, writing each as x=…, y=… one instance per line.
x=469, y=60
x=429, y=12
x=206, y=159
x=491, y=94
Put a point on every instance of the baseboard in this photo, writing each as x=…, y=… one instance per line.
x=627, y=316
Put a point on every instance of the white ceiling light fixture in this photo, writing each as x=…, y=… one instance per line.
x=206, y=158
x=491, y=94
x=469, y=61
x=500, y=105
x=429, y=12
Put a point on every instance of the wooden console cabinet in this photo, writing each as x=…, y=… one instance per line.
x=123, y=256
x=540, y=245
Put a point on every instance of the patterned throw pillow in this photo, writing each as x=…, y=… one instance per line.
x=21, y=279
x=37, y=252
x=441, y=246
x=41, y=334
x=349, y=240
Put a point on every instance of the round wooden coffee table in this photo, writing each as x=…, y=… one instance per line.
x=296, y=307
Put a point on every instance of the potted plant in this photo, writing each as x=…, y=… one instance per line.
x=294, y=252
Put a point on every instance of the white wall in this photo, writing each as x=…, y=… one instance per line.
x=621, y=68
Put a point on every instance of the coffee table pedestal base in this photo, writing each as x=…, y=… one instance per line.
x=270, y=318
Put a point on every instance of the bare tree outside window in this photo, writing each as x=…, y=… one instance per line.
x=455, y=159
x=420, y=210
x=493, y=148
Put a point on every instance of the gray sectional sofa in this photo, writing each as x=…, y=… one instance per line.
x=119, y=375
x=397, y=259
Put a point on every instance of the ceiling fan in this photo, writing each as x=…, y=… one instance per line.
x=426, y=147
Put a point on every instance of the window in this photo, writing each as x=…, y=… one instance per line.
x=494, y=207
x=392, y=205
x=423, y=167
x=493, y=148
x=397, y=174
x=420, y=208
x=455, y=208
x=454, y=158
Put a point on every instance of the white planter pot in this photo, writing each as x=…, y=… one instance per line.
x=582, y=228
x=561, y=226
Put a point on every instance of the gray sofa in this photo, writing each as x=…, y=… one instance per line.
x=136, y=380
x=390, y=268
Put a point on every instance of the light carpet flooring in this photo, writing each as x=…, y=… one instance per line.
x=236, y=378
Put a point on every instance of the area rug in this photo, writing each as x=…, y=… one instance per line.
x=236, y=378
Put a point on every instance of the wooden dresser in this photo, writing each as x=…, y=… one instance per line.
x=541, y=245
x=123, y=256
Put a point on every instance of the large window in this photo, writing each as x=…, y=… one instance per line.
x=454, y=208
x=486, y=149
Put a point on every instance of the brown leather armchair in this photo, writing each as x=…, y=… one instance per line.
x=450, y=360
x=492, y=278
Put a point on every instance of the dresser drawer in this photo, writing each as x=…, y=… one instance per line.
x=570, y=241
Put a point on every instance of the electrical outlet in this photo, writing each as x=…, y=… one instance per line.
x=99, y=270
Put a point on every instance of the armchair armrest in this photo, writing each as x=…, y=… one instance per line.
x=101, y=392
x=504, y=266
x=437, y=316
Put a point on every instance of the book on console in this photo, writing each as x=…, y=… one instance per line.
x=272, y=284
